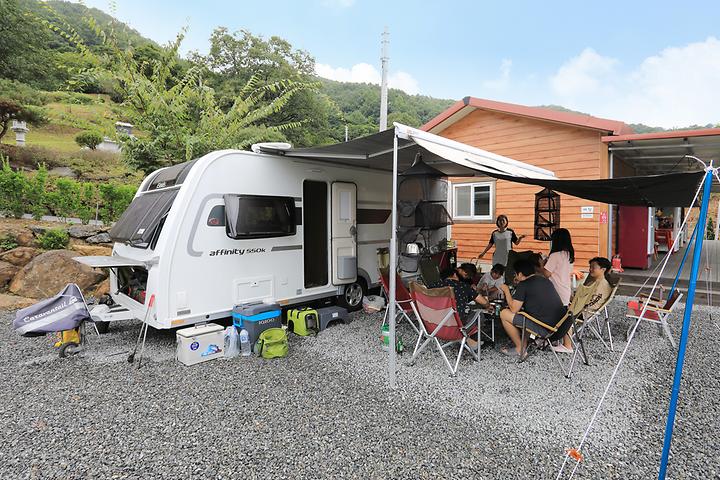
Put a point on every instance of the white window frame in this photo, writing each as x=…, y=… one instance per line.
x=472, y=216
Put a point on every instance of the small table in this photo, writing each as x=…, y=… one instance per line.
x=491, y=315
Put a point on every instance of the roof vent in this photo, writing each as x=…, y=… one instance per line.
x=269, y=147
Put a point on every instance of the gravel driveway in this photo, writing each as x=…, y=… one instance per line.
x=325, y=411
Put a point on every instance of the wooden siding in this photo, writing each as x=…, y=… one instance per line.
x=568, y=151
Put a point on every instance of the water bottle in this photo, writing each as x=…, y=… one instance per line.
x=245, y=343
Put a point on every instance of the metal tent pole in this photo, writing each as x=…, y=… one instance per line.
x=392, y=271
x=702, y=219
x=682, y=262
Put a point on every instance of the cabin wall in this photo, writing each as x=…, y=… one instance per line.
x=570, y=152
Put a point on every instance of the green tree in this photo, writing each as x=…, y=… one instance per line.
x=10, y=110
x=13, y=185
x=35, y=192
x=89, y=139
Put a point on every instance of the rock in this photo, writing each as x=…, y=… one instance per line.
x=21, y=235
x=83, y=231
x=99, y=238
x=19, y=256
x=92, y=250
x=13, y=302
x=49, y=272
x=7, y=272
x=102, y=289
x=37, y=230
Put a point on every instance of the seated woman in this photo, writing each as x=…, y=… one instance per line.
x=596, y=288
x=461, y=282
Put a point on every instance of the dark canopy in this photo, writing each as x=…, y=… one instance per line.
x=670, y=190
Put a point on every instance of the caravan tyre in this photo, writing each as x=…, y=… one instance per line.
x=352, y=296
x=102, y=327
x=68, y=349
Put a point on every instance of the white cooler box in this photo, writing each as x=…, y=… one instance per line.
x=200, y=343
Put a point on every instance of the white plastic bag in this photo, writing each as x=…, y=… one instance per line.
x=232, y=342
x=373, y=304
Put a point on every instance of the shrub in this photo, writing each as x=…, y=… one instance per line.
x=31, y=156
x=114, y=200
x=53, y=239
x=12, y=187
x=88, y=202
x=8, y=242
x=89, y=138
x=35, y=192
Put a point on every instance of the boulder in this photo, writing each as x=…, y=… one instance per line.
x=103, y=288
x=99, y=238
x=13, y=302
x=49, y=272
x=22, y=236
x=83, y=231
x=7, y=272
x=92, y=250
x=19, y=256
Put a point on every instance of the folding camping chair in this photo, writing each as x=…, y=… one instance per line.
x=548, y=334
x=655, y=313
x=403, y=301
x=592, y=320
x=439, y=320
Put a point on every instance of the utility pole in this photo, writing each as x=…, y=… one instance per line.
x=384, y=86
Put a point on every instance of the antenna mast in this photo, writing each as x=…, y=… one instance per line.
x=384, y=86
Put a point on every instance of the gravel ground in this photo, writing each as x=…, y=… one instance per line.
x=325, y=410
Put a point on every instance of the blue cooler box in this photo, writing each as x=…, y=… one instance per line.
x=256, y=318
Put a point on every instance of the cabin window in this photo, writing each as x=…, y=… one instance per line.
x=259, y=216
x=473, y=201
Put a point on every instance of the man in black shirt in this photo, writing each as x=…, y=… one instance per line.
x=534, y=295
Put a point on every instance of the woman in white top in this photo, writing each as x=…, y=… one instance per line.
x=558, y=268
x=503, y=238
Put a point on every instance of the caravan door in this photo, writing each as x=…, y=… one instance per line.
x=343, y=230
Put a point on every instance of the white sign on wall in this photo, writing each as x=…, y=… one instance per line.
x=590, y=209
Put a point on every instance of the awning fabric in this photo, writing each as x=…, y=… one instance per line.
x=670, y=190
x=456, y=159
x=453, y=159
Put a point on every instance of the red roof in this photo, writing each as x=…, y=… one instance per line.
x=576, y=119
x=703, y=132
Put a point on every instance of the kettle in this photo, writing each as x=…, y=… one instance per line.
x=412, y=249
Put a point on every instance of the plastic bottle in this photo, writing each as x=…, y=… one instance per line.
x=385, y=336
x=245, y=343
x=232, y=346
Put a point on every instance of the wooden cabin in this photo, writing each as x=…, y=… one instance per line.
x=569, y=144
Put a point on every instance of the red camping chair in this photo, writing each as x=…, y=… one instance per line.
x=439, y=320
x=656, y=312
x=403, y=301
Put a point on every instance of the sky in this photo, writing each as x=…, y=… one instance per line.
x=656, y=63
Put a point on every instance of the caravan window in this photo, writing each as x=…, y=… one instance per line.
x=259, y=216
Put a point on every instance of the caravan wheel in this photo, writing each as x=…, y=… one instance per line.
x=352, y=295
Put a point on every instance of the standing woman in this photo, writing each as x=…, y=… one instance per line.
x=503, y=238
x=558, y=268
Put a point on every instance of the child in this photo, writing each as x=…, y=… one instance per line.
x=490, y=282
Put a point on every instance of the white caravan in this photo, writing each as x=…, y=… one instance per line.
x=235, y=227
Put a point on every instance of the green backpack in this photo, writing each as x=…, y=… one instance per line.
x=272, y=343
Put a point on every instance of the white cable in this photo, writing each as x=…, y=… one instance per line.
x=629, y=341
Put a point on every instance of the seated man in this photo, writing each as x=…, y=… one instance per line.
x=490, y=283
x=461, y=282
x=596, y=288
x=534, y=295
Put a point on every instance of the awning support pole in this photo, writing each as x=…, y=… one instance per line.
x=392, y=270
x=682, y=262
x=610, y=213
x=702, y=219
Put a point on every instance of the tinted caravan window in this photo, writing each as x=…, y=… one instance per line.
x=259, y=216
x=143, y=219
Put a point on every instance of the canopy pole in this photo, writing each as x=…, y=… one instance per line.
x=682, y=262
x=610, y=213
x=392, y=271
x=702, y=219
